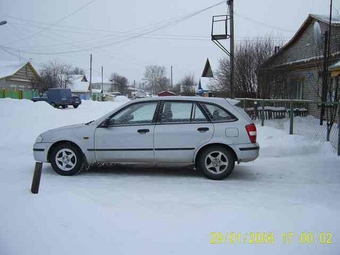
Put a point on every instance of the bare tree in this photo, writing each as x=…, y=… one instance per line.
x=55, y=75
x=77, y=70
x=187, y=85
x=249, y=56
x=155, y=78
x=119, y=82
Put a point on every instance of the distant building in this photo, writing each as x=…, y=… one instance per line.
x=139, y=94
x=166, y=93
x=17, y=75
x=80, y=87
x=107, y=85
x=295, y=70
x=205, y=80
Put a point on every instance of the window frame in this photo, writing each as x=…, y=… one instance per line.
x=197, y=103
x=153, y=121
x=234, y=118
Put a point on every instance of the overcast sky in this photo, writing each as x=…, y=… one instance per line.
x=113, y=31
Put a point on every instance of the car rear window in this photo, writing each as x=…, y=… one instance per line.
x=217, y=113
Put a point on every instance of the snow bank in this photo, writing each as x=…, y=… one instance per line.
x=23, y=120
x=121, y=99
x=276, y=143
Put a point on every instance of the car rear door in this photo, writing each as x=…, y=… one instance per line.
x=181, y=128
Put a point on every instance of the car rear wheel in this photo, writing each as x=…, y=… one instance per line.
x=216, y=162
x=66, y=159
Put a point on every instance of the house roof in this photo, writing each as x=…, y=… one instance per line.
x=78, y=77
x=79, y=86
x=98, y=79
x=9, y=68
x=167, y=91
x=325, y=18
x=303, y=27
x=207, y=71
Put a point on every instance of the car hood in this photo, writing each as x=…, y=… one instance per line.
x=68, y=132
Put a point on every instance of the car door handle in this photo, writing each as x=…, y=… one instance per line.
x=143, y=131
x=203, y=129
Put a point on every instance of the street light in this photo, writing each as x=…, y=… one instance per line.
x=3, y=22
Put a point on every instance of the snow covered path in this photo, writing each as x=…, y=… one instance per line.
x=294, y=186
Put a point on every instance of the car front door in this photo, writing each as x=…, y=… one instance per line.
x=128, y=136
x=180, y=130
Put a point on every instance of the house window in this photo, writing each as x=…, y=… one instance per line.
x=296, y=88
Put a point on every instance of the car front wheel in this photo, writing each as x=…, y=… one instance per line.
x=216, y=162
x=66, y=159
x=75, y=105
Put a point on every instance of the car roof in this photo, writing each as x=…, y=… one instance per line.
x=191, y=98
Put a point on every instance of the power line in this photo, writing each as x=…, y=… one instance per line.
x=17, y=56
x=263, y=24
x=148, y=31
x=42, y=30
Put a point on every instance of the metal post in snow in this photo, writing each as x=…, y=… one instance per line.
x=291, y=118
x=36, y=178
x=262, y=113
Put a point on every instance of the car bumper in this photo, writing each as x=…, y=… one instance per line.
x=247, y=152
x=40, y=151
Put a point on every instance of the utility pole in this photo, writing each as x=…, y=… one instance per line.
x=90, y=70
x=171, y=78
x=326, y=57
x=102, y=82
x=324, y=79
x=232, y=47
x=134, y=83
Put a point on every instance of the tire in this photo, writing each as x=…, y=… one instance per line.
x=75, y=105
x=64, y=106
x=66, y=159
x=216, y=162
x=54, y=105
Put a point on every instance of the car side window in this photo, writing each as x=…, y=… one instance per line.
x=216, y=113
x=197, y=115
x=181, y=112
x=176, y=112
x=136, y=114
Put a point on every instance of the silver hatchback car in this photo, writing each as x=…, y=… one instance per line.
x=212, y=133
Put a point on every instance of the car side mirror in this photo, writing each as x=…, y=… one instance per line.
x=107, y=122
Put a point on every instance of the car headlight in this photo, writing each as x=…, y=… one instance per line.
x=39, y=139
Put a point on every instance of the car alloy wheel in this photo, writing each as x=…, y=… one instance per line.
x=66, y=159
x=216, y=162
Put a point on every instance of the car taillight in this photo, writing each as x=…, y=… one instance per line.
x=251, y=130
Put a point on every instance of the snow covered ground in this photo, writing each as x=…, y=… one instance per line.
x=308, y=126
x=293, y=186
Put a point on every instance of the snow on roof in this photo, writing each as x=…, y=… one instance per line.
x=77, y=77
x=167, y=91
x=98, y=79
x=325, y=18
x=79, y=86
x=206, y=82
x=8, y=68
x=336, y=65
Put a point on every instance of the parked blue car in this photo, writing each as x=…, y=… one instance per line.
x=59, y=97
